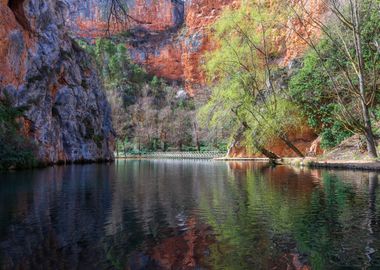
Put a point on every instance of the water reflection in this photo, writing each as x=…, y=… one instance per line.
x=188, y=215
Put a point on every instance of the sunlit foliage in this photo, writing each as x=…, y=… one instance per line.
x=242, y=71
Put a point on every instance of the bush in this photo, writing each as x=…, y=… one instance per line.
x=16, y=151
x=311, y=90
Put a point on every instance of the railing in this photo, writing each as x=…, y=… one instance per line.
x=175, y=155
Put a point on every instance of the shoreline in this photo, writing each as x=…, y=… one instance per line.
x=346, y=165
x=315, y=163
x=45, y=165
x=308, y=162
x=312, y=163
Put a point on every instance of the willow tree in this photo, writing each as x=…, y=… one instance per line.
x=242, y=71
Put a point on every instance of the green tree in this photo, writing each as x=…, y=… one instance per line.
x=243, y=72
x=311, y=90
x=347, y=60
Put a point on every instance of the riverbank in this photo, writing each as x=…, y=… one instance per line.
x=310, y=162
x=43, y=165
x=366, y=164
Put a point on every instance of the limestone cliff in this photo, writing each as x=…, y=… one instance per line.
x=168, y=37
x=42, y=68
x=90, y=18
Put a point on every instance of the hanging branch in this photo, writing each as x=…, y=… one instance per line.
x=118, y=14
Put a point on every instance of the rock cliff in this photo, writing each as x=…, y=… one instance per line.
x=168, y=37
x=90, y=18
x=43, y=69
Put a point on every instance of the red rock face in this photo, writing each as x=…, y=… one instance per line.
x=161, y=55
x=180, y=56
x=155, y=15
x=199, y=16
x=304, y=139
x=177, y=39
x=183, y=30
x=91, y=18
x=292, y=44
x=12, y=56
x=167, y=64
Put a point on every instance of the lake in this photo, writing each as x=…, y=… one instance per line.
x=174, y=214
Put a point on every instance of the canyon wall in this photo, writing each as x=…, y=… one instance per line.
x=170, y=38
x=91, y=18
x=42, y=69
x=167, y=37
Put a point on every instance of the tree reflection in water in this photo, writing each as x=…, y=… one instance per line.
x=163, y=214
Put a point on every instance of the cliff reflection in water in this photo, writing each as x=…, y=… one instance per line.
x=164, y=214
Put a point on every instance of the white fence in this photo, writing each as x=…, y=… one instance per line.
x=176, y=155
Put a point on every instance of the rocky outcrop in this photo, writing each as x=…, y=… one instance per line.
x=303, y=138
x=159, y=52
x=168, y=37
x=43, y=69
x=199, y=16
x=172, y=36
x=91, y=18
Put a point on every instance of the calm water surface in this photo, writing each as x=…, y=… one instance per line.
x=167, y=214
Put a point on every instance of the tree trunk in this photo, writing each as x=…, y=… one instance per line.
x=371, y=145
x=196, y=137
x=237, y=137
x=291, y=146
x=267, y=153
x=117, y=149
x=165, y=146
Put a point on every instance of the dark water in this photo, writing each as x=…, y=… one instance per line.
x=188, y=215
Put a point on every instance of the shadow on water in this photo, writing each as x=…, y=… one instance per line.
x=171, y=214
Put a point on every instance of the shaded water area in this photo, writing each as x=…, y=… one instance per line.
x=172, y=214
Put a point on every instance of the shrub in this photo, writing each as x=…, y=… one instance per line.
x=16, y=151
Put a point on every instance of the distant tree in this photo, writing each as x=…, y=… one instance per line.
x=148, y=112
x=181, y=129
x=120, y=118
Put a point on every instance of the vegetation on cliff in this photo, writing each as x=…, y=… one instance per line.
x=149, y=114
x=16, y=150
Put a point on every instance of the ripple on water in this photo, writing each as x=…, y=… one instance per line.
x=172, y=214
